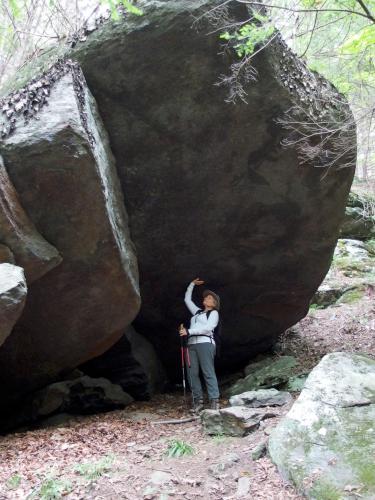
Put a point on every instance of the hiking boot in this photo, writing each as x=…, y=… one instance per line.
x=215, y=404
x=197, y=406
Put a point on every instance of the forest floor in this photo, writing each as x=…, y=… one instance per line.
x=124, y=454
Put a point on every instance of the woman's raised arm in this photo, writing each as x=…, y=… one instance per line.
x=193, y=308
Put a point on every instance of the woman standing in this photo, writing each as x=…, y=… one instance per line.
x=201, y=344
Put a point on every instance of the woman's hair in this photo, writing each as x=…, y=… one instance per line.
x=214, y=296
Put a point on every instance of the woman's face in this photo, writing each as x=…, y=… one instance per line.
x=209, y=301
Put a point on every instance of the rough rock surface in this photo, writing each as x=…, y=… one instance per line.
x=234, y=421
x=145, y=354
x=208, y=186
x=326, y=443
x=359, y=221
x=263, y=397
x=357, y=224
x=326, y=295
x=6, y=255
x=31, y=251
x=267, y=373
x=82, y=395
x=132, y=363
x=13, y=292
x=355, y=260
x=63, y=171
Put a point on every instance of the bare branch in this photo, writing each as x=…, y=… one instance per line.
x=367, y=11
x=289, y=9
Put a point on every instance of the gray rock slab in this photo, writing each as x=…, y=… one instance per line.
x=326, y=442
x=13, y=291
x=262, y=397
x=327, y=295
x=357, y=224
x=351, y=248
x=267, y=373
x=234, y=421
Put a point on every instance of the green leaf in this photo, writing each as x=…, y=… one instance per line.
x=14, y=8
x=225, y=36
x=132, y=9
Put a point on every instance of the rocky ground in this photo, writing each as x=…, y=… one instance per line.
x=128, y=454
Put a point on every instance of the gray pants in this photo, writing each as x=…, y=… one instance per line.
x=203, y=356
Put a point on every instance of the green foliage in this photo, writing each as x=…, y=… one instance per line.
x=314, y=307
x=348, y=36
x=370, y=246
x=15, y=8
x=366, y=474
x=350, y=267
x=177, y=448
x=250, y=35
x=351, y=296
x=219, y=438
x=14, y=481
x=91, y=471
x=51, y=488
x=323, y=490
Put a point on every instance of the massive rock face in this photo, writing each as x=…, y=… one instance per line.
x=62, y=169
x=209, y=190
x=207, y=186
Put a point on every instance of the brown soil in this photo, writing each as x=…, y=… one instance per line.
x=46, y=462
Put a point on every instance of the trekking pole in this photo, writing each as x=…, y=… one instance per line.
x=183, y=367
x=188, y=371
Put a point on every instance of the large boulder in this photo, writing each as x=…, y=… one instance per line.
x=326, y=443
x=234, y=421
x=63, y=171
x=13, y=291
x=209, y=189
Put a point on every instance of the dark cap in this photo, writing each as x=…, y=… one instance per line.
x=214, y=295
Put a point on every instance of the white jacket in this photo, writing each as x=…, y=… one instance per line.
x=199, y=324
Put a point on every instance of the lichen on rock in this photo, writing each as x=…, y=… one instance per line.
x=328, y=437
